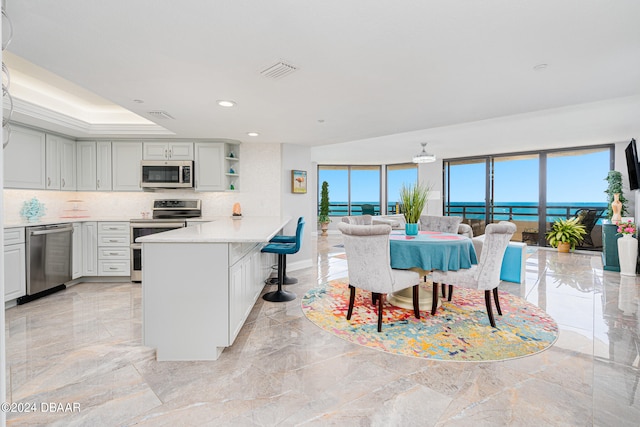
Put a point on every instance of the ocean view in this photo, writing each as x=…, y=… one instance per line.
x=515, y=211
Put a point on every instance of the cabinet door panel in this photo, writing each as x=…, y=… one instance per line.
x=67, y=164
x=103, y=166
x=209, y=166
x=86, y=165
x=126, y=157
x=52, y=163
x=89, y=249
x=155, y=151
x=181, y=151
x=76, y=259
x=15, y=281
x=24, y=159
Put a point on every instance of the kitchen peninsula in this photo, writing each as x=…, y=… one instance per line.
x=199, y=284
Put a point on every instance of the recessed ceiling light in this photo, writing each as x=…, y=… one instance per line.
x=540, y=67
x=253, y=133
x=138, y=101
x=224, y=103
x=320, y=120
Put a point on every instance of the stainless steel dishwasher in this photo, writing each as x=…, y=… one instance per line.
x=48, y=260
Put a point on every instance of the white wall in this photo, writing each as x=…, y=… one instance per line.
x=295, y=205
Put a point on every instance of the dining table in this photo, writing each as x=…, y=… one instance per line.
x=424, y=252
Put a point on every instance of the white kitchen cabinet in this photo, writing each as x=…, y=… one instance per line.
x=103, y=166
x=90, y=248
x=25, y=159
x=60, y=163
x=76, y=258
x=15, y=280
x=209, y=166
x=93, y=165
x=52, y=162
x=168, y=151
x=126, y=157
x=113, y=249
x=67, y=148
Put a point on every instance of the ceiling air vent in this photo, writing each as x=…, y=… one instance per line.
x=161, y=115
x=278, y=70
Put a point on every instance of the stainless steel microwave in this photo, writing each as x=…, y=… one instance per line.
x=166, y=174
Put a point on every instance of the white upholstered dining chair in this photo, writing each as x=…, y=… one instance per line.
x=446, y=224
x=358, y=219
x=486, y=274
x=369, y=265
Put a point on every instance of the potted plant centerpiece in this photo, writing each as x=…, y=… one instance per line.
x=565, y=234
x=413, y=199
x=323, y=218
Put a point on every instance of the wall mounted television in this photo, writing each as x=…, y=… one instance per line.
x=633, y=167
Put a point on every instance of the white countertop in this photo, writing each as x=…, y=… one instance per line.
x=48, y=221
x=223, y=230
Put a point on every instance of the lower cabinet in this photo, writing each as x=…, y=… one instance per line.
x=15, y=271
x=246, y=281
x=90, y=248
x=113, y=249
x=76, y=258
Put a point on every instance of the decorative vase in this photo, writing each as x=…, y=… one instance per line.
x=564, y=247
x=411, y=229
x=627, y=254
x=324, y=226
x=616, y=207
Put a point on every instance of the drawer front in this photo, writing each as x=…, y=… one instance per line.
x=13, y=235
x=113, y=240
x=113, y=228
x=114, y=253
x=114, y=268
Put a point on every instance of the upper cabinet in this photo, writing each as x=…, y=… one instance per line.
x=125, y=158
x=168, y=151
x=60, y=163
x=24, y=159
x=94, y=165
x=217, y=166
x=67, y=149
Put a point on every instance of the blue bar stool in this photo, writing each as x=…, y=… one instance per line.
x=283, y=249
x=284, y=239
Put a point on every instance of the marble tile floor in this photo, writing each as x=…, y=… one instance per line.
x=83, y=346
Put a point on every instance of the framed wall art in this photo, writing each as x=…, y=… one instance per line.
x=298, y=182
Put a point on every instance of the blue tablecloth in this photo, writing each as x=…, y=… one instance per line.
x=431, y=250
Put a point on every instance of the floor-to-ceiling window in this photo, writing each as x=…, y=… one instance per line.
x=396, y=176
x=353, y=190
x=465, y=191
x=529, y=189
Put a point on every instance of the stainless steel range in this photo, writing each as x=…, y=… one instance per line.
x=167, y=215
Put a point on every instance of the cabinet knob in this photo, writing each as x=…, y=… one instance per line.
x=166, y=156
x=98, y=183
x=63, y=184
x=48, y=181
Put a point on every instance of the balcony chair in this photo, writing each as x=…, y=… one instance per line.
x=357, y=219
x=369, y=266
x=589, y=218
x=280, y=238
x=368, y=209
x=486, y=274
x=283, y=249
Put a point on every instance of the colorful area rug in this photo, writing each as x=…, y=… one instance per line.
x=460, y=330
